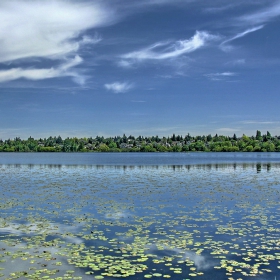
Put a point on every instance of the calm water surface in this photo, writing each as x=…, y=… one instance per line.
x=136, y=158
x=138, y=216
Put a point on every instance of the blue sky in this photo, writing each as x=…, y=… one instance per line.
x=149, y=67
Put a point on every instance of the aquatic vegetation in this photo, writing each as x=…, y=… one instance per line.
x=138, y=223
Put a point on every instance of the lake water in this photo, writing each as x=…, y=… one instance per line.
x=138, y=216
x=136, y=159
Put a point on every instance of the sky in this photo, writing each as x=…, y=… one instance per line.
x=152, y=67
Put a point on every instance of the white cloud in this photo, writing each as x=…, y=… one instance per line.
x=263, y=16
x=118, y=87
x=239, y=35
x=219, y=9
x=256, y=19
x=220, y=76
x=227, y=129
x=226, y=74
x=88, y=40
x=39, y=74
x=125, y=63
x=167, y=50
x=259, y=122
x=144, y=3
x=46, y=29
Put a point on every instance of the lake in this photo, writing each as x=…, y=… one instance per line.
x=140, y=215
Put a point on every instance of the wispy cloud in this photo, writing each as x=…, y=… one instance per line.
x=152, y=2
x=237, y=62
x=144, y=3
x=259, y=122
x=223, y=45
x=39, y=74
x=262, y=16
x=169, y=50
x=220, y=76
x=257, y=19
x=46, y=30
x=227, y=129
x=219, y=9
x=125, y=63
x=118, y=87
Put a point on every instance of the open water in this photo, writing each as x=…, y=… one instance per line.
x=139, y=216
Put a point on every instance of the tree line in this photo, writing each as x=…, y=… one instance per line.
x=176, y=143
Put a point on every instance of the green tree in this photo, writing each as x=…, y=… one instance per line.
x=161, y=148
x=103, y=148
x=147, y=148
x=258, y=135
x=249, y=148
x=176, y=148
x=59, y=140
x=112, y=145
x=209, y=137
x=268, y=135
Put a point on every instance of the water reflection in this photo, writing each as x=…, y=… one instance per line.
x=259, y=167
x=136, y=158
x=195, y=218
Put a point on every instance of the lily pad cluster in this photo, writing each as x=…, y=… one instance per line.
x=77, y=222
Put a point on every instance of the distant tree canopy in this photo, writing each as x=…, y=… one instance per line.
x=175, y=143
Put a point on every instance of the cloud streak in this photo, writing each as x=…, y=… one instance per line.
x=242, y=34
x=263, y=16
x=220, y=76
x=40, y=74
x=219, y=9
x=118, y=87
x=259, y=122
x=46, y=30
x=169, y=50
x=227, y=129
